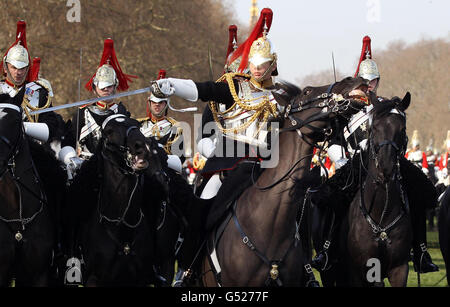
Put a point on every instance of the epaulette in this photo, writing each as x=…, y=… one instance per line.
x=144, y=119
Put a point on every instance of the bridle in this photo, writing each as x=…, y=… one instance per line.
x=330, y=104
x=125, y=154
x=14, y=146
x=123, y=151
x=15, y=149
x=375, y=148
x=380, y=232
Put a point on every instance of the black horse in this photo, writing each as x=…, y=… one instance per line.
x=31, y=189
x=261, y=242
x=114, y=205
x=376, y=230
x=444, y=229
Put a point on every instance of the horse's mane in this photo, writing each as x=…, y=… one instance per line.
x=290, y=89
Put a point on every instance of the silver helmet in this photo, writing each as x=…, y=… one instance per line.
x=18, y=56
x=368, y=69
x=105, y=76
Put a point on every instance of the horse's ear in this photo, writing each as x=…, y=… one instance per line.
x=373, y=99
x=404, y=104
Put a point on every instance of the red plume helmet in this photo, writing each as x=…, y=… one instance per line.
x=365, y=52
x=109, y=57
x=21, y=39
x=35, y=69
x=232, y=39
x=264, y=23
x=161, y=74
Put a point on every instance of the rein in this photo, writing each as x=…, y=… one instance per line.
x=11, y=168
x=377, y=229
x=297, y=124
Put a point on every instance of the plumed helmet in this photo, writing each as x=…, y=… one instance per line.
x=415, y=139
x=105, y=76
x=161, y=75
x=231, y=67
x=17, y=54
x=261, y=52
x=36, y=76
x=367, y=68
x=257, y=49
x=109, y=71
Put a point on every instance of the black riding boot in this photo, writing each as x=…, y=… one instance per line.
x=421, y=196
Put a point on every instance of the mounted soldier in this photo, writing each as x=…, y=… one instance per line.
x=443, y=163
x=107, y=80
x=164, y=129
x=353, y=142
x=241, y=104
x=417, y=156
x=18, y=72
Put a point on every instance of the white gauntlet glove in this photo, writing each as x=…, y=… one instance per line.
x=183, y=88
x=162, y=88
x=68, y=156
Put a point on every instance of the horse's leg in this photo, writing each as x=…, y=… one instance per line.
x=398, y=276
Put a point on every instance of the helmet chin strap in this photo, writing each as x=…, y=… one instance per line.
x=262, y=78
x=160, y=114
x=107, y=104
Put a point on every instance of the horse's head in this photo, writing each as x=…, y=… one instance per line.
x=123, y=143
x=388, y=140
x=11, y=131
x=317, y=111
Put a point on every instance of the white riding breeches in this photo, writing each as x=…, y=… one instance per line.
x=212, y=187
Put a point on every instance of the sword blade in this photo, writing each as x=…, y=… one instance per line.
x=91, y=101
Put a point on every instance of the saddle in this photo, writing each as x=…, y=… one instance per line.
x=235, y=183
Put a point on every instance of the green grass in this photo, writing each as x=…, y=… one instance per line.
x=435, y=279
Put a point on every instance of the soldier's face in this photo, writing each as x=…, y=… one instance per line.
x=157, y=107
x=18, y=75
x=373, y=85
x=106, y=91
x=257, y=71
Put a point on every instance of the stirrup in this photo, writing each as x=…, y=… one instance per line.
x=320, y=261
x=312, y=282
x=181, y=277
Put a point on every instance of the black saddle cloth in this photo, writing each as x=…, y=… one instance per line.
x=235, y=183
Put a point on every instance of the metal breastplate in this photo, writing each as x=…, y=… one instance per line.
x=256, y=132
x=91, y=132
x=157, y=130
x=357, y=129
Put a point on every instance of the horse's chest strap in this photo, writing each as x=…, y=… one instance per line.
x=274, y=264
